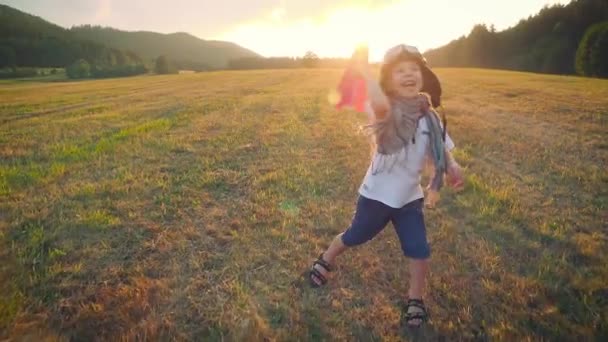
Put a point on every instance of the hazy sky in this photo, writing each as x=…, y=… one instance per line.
x=291, y=27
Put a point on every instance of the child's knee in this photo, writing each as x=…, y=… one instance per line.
x=350, y=239
x=416, y=250
x=340, y=238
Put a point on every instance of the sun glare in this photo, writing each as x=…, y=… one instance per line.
x=337, y=33
x=425, y=24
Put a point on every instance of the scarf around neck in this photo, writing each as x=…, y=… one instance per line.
x=398, y=129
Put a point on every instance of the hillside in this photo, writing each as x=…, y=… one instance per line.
x=30, y=41
x=184, y=49
x=546, y=42
x=27, y=40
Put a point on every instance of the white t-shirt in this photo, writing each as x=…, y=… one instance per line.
x=395, y=179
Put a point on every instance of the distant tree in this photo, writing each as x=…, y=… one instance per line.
x=310, y=60
x=8, y=58
x=592, y=53
x=18, y=72
x=599, y=54
x=106, y=71
x=79, y=69
x=134, y=58
x=478, y=46
x=162, y=65
x=284, y=63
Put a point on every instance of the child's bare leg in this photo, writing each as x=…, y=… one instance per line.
x=336, y=248
x=418, y=271
x=370, y=218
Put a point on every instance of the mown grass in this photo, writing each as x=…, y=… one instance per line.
x=187, y=207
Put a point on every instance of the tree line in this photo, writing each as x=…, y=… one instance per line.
x=309, y=60
x=560, y=39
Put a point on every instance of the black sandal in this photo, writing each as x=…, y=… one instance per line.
x=421, y=315
x=317, y=274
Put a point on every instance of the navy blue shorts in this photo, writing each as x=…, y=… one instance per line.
x=372, y=216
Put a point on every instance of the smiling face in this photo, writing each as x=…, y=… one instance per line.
x=406, y=79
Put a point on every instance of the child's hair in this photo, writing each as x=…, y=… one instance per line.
x=430, y=82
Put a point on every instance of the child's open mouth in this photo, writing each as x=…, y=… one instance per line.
x=408, y=84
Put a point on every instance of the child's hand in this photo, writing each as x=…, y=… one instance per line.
x=455, y=178
x=425, y=103
x=431, y=198
x=360, y=62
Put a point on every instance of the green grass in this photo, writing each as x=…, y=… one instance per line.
x=188, y=206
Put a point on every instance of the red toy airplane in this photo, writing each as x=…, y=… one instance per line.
x=352, y=87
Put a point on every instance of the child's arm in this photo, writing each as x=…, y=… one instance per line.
x=377, y=99
x=454, y=173
x=454, y=176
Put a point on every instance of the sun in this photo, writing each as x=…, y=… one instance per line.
x=335, y=34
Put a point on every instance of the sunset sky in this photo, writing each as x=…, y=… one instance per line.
x=290, y=28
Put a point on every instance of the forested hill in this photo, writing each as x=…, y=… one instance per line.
x=546, y=42
x=30, y=41
x=185, y=50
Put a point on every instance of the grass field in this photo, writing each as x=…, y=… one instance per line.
x=186, y=207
